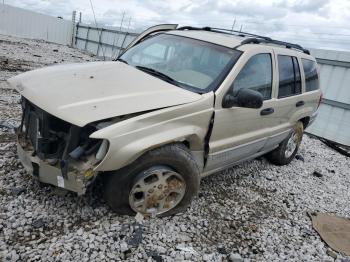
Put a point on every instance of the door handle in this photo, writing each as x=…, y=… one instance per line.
x=300, y=103
x=267, y=111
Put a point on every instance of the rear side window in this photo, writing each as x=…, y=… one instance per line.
x=289, y=76
x=256, y=75
x=311, y=76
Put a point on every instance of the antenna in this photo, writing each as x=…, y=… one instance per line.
x=233, y=24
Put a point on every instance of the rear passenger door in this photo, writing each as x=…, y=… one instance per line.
x=289, y=91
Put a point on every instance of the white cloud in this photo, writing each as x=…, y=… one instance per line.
x=313, y=23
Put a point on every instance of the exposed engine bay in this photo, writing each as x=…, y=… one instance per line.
x=59, y=144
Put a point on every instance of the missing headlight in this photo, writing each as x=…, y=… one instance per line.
x=102, y=151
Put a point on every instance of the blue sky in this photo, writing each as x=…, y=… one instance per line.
x=312, y=23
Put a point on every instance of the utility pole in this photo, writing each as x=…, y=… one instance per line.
x=240, y=30
x=127, y=30
x=233, y=24
x=79, y=17
x=121, y=22
x=119, y=33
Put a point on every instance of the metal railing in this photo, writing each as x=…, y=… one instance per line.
x=102, y=42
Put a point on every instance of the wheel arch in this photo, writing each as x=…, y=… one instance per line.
x=305, y=121
x=129, y=149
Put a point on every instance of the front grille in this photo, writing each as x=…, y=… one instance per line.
x=55, y=139
x=46, y=133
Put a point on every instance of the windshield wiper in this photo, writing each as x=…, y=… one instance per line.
x=122, y=60
x=158, y=74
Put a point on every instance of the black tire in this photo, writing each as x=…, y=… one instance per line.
x=118, y=184
x=278, y=155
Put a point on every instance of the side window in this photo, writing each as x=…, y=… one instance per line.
x=256, y=75
x=297, y=76
x=311, y=76
x=289, y=76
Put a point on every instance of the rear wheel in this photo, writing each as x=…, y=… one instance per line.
x=161, y=182
x=288, y=148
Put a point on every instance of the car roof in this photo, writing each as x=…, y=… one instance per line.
x=235, y=40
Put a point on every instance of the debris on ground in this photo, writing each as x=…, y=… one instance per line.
x=334, y=230
x=139, y=218
x=299, y=157
x=186, y=249
x=255, y=211
x=38, y=223
x=136, y=238
x=234, y=257
x=317, y=173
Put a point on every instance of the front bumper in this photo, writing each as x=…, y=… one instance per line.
x=75, y=180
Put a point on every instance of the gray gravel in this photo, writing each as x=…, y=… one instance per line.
x=255, y=211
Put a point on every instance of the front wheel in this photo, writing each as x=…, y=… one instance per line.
x=161, y=182
x=288, y=148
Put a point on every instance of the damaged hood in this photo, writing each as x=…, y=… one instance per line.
x=87, y=92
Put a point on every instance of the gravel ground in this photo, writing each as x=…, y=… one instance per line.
x=255, y=211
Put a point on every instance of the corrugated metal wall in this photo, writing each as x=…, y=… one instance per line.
x=102, y=41
x=24, y=23
x=333, y=121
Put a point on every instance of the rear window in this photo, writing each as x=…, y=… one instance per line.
x=289, y=76
x=311, y=76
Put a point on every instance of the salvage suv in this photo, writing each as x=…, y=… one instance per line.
x=177, y=105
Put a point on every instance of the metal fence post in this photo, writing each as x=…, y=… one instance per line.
x=121, y=46
x=87, y=38
x=74, y=13
x=76, y=34
x=99, y=41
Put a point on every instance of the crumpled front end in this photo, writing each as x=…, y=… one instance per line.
x=57, y=152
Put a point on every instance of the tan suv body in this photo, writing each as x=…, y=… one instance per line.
x=152, y=138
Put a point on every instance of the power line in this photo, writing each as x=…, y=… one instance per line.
x=120, y=30
x=228, y=21
x=100, y=34
x=321, y=34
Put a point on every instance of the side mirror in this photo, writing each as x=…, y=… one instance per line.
x=244, y=98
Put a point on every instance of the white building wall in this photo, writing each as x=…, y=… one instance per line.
x=24, y=23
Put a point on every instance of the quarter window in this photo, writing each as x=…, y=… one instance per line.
x=256, y=75
x=289, y=76
x=311, y=76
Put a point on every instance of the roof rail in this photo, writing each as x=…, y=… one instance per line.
x=239, y=33
x=254, y=38
x=275, y=42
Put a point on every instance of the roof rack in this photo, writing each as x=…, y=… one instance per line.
x=253, y=38
x=275, y=42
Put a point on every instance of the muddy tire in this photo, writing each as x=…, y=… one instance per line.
x=161, y=182
x=288, y=148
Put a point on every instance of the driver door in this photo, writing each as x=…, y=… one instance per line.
x=240, y=133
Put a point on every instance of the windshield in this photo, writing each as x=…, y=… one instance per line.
x=192, y=64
